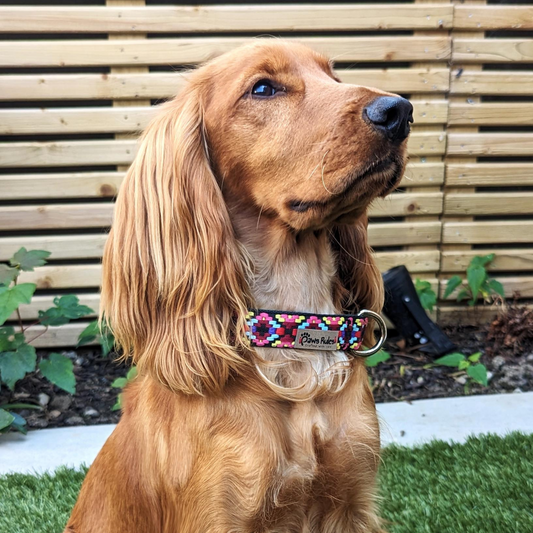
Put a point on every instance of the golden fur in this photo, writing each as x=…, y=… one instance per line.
x=232, y=202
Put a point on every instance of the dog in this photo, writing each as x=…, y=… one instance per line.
x=249, y=192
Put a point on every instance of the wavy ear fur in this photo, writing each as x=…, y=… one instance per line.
x=359, y=282
x=174, y=279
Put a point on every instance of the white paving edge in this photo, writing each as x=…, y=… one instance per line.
x=449, y=419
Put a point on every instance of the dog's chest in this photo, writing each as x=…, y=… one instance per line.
x=317, y=467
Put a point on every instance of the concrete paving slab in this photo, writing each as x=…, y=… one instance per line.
x=454, y=419
x=451, y=419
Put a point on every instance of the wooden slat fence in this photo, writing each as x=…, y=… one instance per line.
x=78, y=82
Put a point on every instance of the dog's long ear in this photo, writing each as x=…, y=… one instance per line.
x=359, y=282
x=174, y=290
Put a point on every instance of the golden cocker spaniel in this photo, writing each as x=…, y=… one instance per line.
x=248, y=193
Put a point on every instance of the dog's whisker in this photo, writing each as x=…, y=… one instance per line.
x=323, y=167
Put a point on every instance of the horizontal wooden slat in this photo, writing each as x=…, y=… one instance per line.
x=492, y=50
x=60, y=246
x=504, y=260
x=67, y=153
x=506, y=231
x=67, y=185
x=98, y=215
x=225, y=18
x=489, y=174
x=511, y=285
x=186, y=51
x=491, y=114
x=75, y=120
x=481, y=315
x=87, y=276
x=482, y=18
x=63, y=336
x=60, y=216
x=106, y=184
x=64, y=276
x=430, y=112
x=492, y=82
x=415, y=262
x=423, y=174
x=402, y=234
x=164, y=85
x=407, y=204
x=494, y=203
x=122, y=152
x=42, y=303
x=133, y=119
x=495, y=144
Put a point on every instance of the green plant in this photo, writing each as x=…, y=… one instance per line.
x=17, y=356
x=120, y=383
x=100, y=333
x=426, y=294
x=477, y=282
x=475, y=370
x=378, y=357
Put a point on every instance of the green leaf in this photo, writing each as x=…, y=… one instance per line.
x=463, y=295
x=6, y=419
x=422, y=285
x=463, y=364
x=12, y=297
x=119, y=383
x=452, y=284
x=89, y=334
x=27, y=261
x=428, y=299
x=379, y=357
x=21, y=406
x=118, y=404
x=497, y=287
x=59, y=370
x=425, y=293
x=70, y=306
x=107, y=342
x=481, y=260
x=8, y=274
x=478, y=373
x=476, y=276
x=132, y=373
x=19, y=423
x=53, y=317
x=452, y=359
x=15, y=365
x=66, y=308
x=7, y=337
x=474, y=358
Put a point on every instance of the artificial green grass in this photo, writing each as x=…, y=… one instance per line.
x=483, y=486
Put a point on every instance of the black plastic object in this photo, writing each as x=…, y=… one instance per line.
x=404, y=310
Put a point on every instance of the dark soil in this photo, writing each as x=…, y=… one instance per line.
x=92, y=403
x=404, y=378
x=401, y=378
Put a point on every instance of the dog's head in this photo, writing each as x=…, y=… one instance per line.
x=285, y=134
x=268, y=126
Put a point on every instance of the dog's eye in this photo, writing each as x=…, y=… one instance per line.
x=264, y=89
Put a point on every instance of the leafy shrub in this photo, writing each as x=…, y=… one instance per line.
x=475, y=370
x=477, y=282
x=17, y=355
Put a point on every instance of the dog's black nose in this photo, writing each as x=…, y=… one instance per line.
x=391, y=115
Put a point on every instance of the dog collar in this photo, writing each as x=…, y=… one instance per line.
x=312, y=331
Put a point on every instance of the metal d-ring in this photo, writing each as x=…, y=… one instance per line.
x=382, y=330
